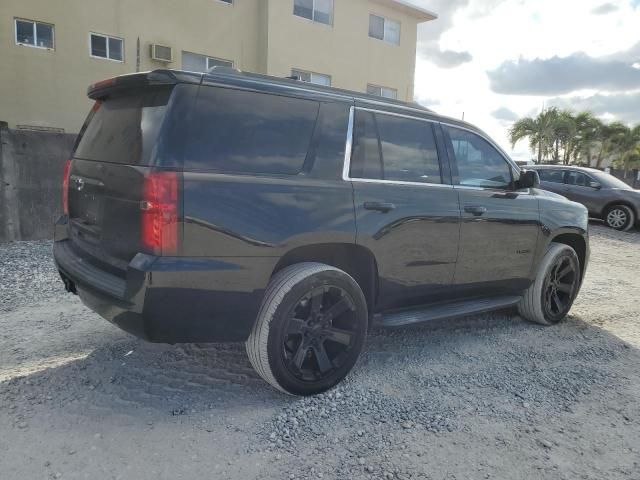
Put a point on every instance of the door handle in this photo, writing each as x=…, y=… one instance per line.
x=383, y=207
x=476, y=210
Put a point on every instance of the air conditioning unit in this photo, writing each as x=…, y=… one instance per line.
x=161, y=53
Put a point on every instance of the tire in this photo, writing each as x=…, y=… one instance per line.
x=537, y=304
x=619, y=217
x=294, y=338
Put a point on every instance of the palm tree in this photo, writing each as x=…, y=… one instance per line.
x=625, y=144
x=564, y=136
x=538, y=130
x=588, y=129
x=609, y=138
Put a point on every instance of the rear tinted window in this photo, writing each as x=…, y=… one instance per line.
x=124, y=128
x=237, y=131
x=394, y=148
x=408, y=150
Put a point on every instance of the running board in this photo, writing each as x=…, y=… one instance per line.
x=450, y=310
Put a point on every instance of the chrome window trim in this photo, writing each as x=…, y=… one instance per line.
x=349, y=148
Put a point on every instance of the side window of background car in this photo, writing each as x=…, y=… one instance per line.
x=405, y=149
x=552, y=176
x=479, y=164
x=578, y=179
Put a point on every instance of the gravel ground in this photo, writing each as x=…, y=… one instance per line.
x=481, y=397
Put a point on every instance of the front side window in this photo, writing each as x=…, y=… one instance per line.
x=311, y=77
x=479, y=164
x=235, y=131
x=34, y=34
x=105, y=46
x=384, y=29
x=579, y=179
x=193, y=62
x=394, y=148
x=320, y=11
x=384, y=92
x=552, y=176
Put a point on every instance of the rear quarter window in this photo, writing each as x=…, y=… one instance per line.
x=124, y=127
x=236, y=131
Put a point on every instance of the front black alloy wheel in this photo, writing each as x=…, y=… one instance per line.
x=559, y=287
x=550, y=297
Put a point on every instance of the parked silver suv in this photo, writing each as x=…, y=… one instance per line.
x=604, y=195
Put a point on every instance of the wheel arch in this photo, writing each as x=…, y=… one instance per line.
x=356, y=260
x=579, y=245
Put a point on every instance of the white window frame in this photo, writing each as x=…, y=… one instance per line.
x=35, y=33
x=373, y=85
x=295, y=71
x=384, y=21
x=107, y=37
x=313, y=14
x=218, y=59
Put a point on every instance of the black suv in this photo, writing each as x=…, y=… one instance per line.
x=605, y=196
x=228, y=206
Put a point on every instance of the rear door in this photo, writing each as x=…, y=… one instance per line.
x=116, y=147
x=500, y=225
x=407, y=212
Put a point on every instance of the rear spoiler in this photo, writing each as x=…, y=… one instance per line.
x=103, y=88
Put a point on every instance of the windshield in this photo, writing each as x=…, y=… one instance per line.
x=610, y=181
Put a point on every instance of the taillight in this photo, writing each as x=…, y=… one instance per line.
x=65, y=187
x=159, y=206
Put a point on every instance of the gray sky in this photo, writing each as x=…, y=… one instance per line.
x=498, y=60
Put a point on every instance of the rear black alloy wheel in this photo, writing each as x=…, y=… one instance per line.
x=321, y=330
x=560, y=287
x=310, y=330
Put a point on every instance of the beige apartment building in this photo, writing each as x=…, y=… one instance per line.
x=51, y=50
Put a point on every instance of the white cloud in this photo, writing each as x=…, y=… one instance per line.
x=497, y=31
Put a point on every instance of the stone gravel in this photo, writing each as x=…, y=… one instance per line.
x=27, y=274
x=488, y=396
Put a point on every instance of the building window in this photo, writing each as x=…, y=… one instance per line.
x=193, y=62
x=311, y=77
x=230, y=2
x=384, y=29
x=34, y=34
x=320, y=11
x=382, y=91
x=104, y=46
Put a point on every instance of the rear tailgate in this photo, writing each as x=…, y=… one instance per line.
x=116, y=152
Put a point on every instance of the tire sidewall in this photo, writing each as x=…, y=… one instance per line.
x=276, y=335
x=555, y=252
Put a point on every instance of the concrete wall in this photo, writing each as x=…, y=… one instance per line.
x=31, y=169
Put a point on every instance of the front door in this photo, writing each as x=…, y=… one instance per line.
x=500, y=225
x=579, y=189
x=407, y=214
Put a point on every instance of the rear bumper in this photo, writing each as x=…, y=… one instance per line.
x=169, y=299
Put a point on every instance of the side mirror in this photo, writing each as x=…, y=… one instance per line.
x=529, y=179
x=596, y=185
